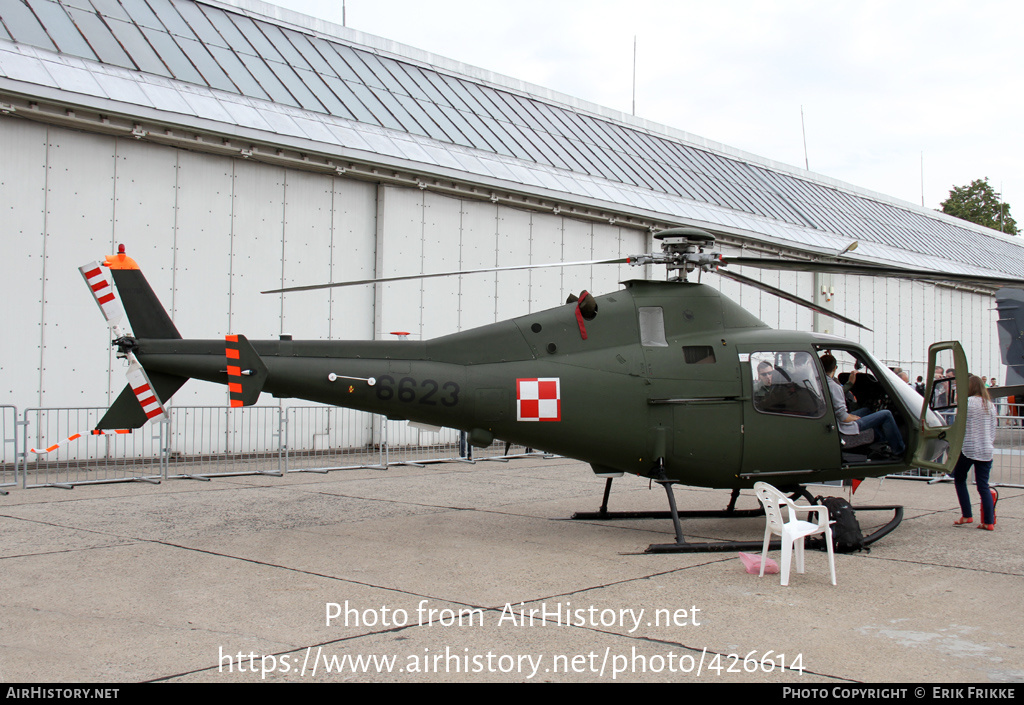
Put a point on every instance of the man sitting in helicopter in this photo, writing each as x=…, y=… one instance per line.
x=851, y=424
x=763, y=383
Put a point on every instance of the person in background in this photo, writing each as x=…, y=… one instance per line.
x=919, y=385
x=978, y=449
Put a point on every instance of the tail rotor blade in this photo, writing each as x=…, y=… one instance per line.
x=99, y=283
x=144, y=391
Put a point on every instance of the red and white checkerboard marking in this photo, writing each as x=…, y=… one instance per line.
x=539, y=399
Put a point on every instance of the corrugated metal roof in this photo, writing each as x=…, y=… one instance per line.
x=195, y=59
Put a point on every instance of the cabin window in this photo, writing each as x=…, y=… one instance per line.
x=787, y=383
x=699, y=354
x=652, y=327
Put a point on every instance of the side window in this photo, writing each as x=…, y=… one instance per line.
x=699, y=354
x=652, y=327
x=787, y=383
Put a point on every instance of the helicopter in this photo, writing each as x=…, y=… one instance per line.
x=661, y=379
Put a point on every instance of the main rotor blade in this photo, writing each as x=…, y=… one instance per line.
x=790, y=297
x=871, y=270
x=622, y=260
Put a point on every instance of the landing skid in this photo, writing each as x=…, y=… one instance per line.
x=681, y=545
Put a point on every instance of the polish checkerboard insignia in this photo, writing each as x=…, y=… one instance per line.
x=539, y=399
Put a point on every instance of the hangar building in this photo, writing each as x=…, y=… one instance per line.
x=234, y=146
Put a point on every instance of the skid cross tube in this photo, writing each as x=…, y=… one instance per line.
x=681, y=545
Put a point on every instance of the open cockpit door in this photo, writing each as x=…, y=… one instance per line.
x=943, y=418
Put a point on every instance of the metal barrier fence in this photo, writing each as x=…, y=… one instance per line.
x=1007, y=460
x=322, y=438
x=88, y=458
x=9, y=453
x=203, y=442
x=207, y=441
x=211, y=441
x=415, y=445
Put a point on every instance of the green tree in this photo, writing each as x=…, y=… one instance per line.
x=979, y=203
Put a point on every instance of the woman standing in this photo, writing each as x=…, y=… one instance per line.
x=979, y=443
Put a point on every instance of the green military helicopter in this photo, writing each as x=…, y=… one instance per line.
x=667, y=380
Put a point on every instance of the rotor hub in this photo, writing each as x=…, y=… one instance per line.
x=682, y=251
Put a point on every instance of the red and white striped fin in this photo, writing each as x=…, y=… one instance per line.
x=144, y=392
x=75, y=437
x=102, y=290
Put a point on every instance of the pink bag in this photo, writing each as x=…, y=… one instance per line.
x=752, y=564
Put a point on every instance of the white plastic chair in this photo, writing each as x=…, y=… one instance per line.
x=793, y=531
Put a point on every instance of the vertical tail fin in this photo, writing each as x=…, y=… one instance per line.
x=142, y=399
x=1010, y=303
x=147, y=316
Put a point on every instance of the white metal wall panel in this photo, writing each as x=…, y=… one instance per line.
x=513, y=288
x=631, y=242
x=805, y=290
x=788, y=318
x=308, y=214
x=257, y=240
x=79, y=214
x=479, y=245
x=577, y=246
x=928, y=320
x=400, y=253
x=145, y=181
x=773, y=310
x=546, y=284
x=886, y=329
x=442, y=223
x=202, y=247
x=910, y=317
x=867, y=316
x=606, y=243
x=23, y=211
x=907, y=325
x=353, y=253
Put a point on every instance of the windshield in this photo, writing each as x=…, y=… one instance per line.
x=909, y=398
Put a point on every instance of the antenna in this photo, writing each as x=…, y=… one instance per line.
x=922, y=178
x=634, y=75
x=803, y=129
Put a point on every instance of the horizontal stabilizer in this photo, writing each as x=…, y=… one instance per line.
x=1004, y=392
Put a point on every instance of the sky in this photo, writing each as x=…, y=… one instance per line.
x=905, y=98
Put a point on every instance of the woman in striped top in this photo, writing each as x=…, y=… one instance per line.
x=978, y=448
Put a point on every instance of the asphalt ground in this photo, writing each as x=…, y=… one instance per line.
x=430, y=575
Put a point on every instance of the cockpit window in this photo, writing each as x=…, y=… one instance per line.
x=787, y=383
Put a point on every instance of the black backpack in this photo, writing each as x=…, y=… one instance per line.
x=846, y=533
